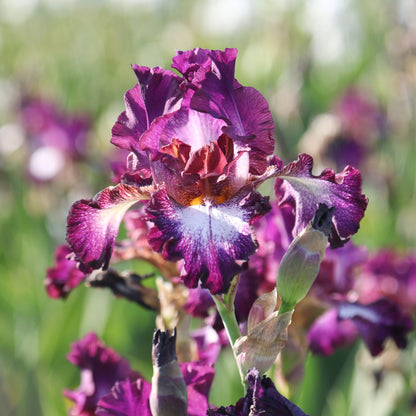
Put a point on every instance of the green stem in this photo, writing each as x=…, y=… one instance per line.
x=225, y=307
x=229, y=320
x=286, y=307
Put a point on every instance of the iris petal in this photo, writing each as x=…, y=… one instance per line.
x=126, y=399
x=214, y=90
x=155, y=94
x=214, y=240
x=304, y=191
x=93, y=224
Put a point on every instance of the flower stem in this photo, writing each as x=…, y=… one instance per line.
x=286, y=307
x=229, y=320
x=225, y=307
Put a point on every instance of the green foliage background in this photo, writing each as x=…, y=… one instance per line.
x=79, y=53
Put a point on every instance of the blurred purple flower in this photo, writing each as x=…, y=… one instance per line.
x=64, y=275
x=362, y=119
x=208, y=344
x=132, y=398
x=56, y=139
x=338, y=271
x=328, y=333
x=109, y=386
x=262, y=399
x=389, y=274
x=378, y=321
x=199, y=302
x=100, y=368
x=346, y=134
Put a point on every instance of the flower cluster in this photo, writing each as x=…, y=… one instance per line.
x=198, y=144
x=110, y=387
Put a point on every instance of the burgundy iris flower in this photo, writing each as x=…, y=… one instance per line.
x=262, y=399
x=56, y=139
x=64, y=275
x=200, y=144
x=100, y=368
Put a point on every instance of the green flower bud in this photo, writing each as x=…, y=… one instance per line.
x=301, y=262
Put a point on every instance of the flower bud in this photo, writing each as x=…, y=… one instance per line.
x=266, y=335
x=168, y=396
x=301, y=262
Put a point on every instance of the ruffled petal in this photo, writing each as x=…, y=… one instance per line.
x=214, y=90
x=198, y=379
x=328, y=333
x=258, y=126
x=64, y=276
x=214, y=240
x=303, y=191
x=93, y=224
x=154, y=95
x=100, y=368
x=126, y=399
x=261, y=399
x=378, y=321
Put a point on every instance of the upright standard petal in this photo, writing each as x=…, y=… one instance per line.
x=93, y=224
x=214, y=90
x=154, y=95
x=303, y=191
x=213, y=239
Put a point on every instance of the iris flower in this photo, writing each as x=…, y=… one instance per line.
x=200, y=143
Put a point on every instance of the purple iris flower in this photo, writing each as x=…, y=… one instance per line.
x=56, y=139
x=262, y=399
x=100, y=368
x=328, y=333
x=389, y=274
x=64, y=275
x=110, y=387
x=375, y=322
x=378, y=321
x=199, y=146
x=129, y=398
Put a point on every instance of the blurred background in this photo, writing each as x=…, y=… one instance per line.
x=309, y=58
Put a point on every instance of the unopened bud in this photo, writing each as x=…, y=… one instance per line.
x=168, y=396
x=301, y=262
x=266, y=335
